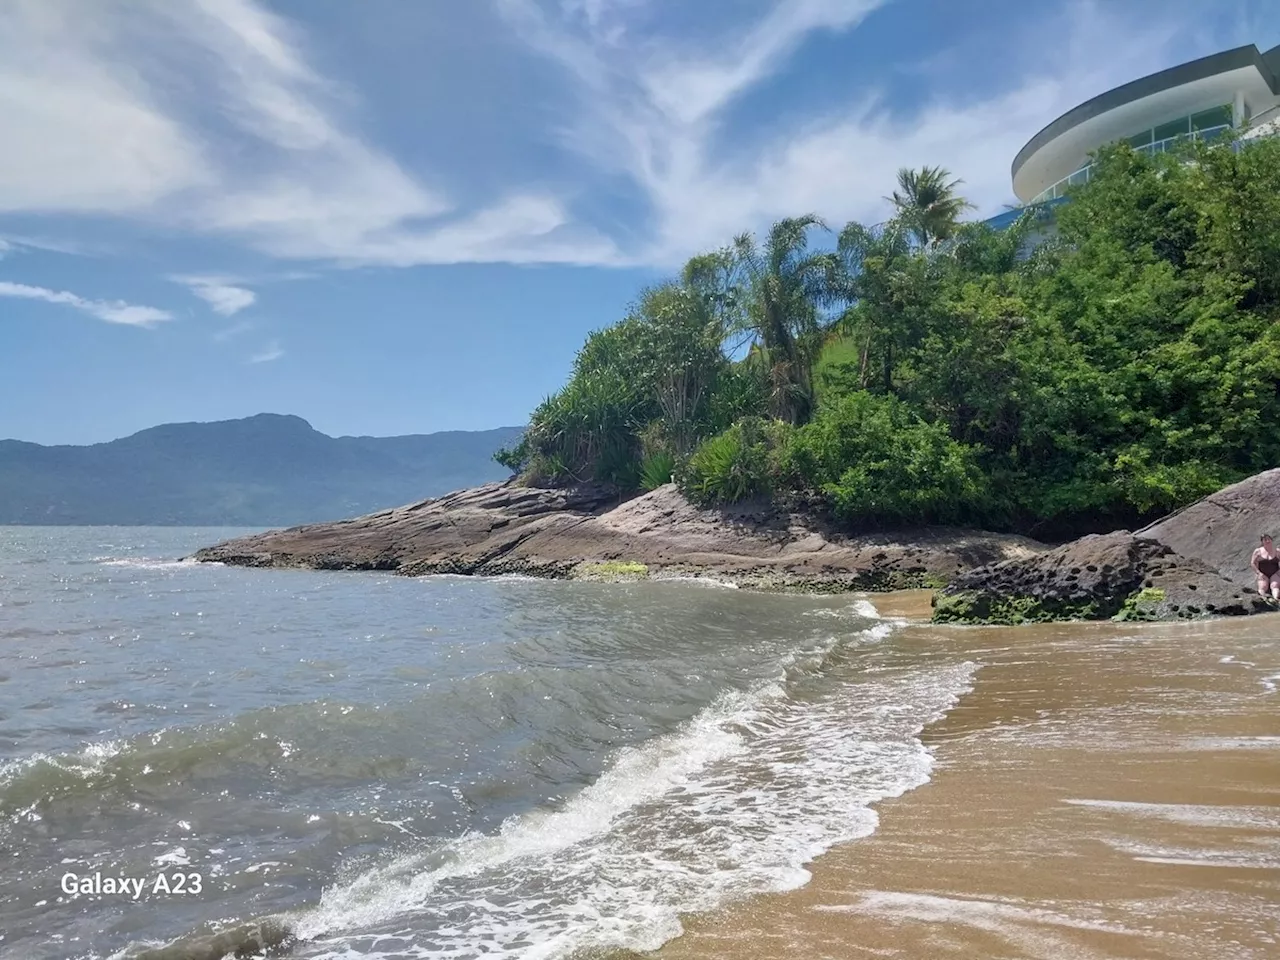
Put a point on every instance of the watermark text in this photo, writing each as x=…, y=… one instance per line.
x=97, y=884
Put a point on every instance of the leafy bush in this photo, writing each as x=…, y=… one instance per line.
x=876, y=461
x=516, y=457
x=731, y=466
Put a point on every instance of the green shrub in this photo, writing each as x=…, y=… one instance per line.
x=876, y=461
x=729, y=467
x=515, y=457
x=656, y=469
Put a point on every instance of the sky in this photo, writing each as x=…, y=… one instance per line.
x=403, y=216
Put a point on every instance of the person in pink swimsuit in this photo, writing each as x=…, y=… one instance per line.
x=1266, y=564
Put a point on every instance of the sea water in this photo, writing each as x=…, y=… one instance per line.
x=438, y=767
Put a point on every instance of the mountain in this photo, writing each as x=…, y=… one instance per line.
x=265, y=470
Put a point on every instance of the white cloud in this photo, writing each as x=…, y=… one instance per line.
x=691, y=89
x=272, y=351
x=653, y=112
x=205, y=115
x=210, y=116
x=112, y=311
x=82, y=133
x=221, y=294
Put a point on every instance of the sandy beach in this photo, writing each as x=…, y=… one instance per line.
x=1105, y=791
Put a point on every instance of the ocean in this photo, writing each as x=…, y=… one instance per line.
x=440, y=767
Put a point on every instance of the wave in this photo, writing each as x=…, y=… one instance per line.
x=172, y=759
x=151, y=563
x=861, y=607
x=734, y=803
x=695, y=580
x=82, y=765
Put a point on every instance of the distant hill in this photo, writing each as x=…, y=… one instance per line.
x=267, y=470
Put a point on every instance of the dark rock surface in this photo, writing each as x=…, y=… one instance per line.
x=1222, y=529
x=1099, y=576
x=577, y=532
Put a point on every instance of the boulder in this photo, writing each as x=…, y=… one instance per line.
x=1114, y=575
x=1222, y=529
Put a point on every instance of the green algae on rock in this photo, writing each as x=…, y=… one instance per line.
x=976, y=607
x=1098, y=577
x=611, y=571
x=1146, y=604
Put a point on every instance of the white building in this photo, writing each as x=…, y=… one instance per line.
x=1233, y=90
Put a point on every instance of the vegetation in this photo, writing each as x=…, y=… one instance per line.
x=974, y=608
x=1145, y=604
x=929, y=370
x=928, y=203
x=611, y=571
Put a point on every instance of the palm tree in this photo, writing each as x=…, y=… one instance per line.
x=783, y=286
x=875, y=266
x=928, y=203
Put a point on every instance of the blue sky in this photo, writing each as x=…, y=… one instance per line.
x=391, y=216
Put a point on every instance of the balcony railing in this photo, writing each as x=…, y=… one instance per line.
x=1264, y=124
x=1082, y=175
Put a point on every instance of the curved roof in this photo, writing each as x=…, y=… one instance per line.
x=1267, y=64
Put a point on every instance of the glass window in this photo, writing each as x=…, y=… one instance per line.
x=1141, y=139
x=1079, y=177
x=1174, y=128
x=1206, y=119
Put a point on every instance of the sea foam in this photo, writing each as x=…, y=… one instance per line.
x=736, y=802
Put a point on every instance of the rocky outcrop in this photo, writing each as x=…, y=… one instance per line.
x=1115, y=575
x=1222, y=529
x=585, y=532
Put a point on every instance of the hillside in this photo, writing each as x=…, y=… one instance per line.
x=263, y=470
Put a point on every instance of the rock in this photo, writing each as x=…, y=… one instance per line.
x=1100, y=576
x=1222, y=529
x=585, y=532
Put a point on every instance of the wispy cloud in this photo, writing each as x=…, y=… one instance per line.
x=272, y=351
x=206, y=115
x=654, y=111
x=211, y=117
x=112, y=311
x=228, y=333
x=225, y=297
x=16, y=243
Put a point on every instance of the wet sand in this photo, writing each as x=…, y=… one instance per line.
x=1105, y=791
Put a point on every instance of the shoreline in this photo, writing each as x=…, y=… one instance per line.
x=591, y=532
x=585, y=533
x=1105, y=791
